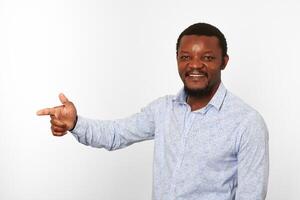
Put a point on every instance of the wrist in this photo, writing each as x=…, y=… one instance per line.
x=75, y=122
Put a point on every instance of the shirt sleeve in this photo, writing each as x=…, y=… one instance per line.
x=253, y=160
x=116, y=134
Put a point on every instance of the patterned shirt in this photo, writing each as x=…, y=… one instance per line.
x=219, y=152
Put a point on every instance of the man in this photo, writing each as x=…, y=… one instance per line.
x=209, y=144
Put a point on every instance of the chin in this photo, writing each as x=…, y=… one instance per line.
x=196, y=87
x=197, y=92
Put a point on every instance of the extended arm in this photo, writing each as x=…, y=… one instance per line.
x=115, y=134
x=98, y=133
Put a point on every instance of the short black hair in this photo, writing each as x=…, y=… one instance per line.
x=207, y=30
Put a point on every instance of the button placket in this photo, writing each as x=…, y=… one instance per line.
x=188, y=122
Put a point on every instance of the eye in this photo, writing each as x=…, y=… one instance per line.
x=184, y=57
x=208, y=58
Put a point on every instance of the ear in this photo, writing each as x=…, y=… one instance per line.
x=225, y=61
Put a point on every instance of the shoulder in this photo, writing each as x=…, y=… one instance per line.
x=234, y=105
x=160, y=104
x=248, y=119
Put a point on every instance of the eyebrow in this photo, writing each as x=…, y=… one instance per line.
x=184, y=52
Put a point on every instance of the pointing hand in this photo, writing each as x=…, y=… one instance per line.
x=63, y=117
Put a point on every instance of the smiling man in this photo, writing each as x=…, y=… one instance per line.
x=209, y=144
x=200, y=61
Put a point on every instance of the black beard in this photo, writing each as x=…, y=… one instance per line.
x=198, y=93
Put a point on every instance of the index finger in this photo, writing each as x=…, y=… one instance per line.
x=46, y=111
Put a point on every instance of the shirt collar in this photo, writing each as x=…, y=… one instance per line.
x=216, y=101
x=219, y=97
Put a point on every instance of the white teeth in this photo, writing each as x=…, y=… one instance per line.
x=196, y=75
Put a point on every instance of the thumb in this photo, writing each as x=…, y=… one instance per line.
x=63, y=99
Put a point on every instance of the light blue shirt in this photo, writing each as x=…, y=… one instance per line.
x=219, y=152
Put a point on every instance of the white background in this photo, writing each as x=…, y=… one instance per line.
x=113, y=57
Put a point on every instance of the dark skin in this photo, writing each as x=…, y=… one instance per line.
x=63, y=117
x=200, y=61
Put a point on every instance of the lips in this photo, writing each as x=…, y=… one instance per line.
x=196, y=74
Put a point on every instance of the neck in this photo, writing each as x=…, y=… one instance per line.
x=200, y=102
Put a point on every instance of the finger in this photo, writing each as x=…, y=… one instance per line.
x=55, y=116
x=57, y=129
x=58, y=110
x=63, y=99
x=46, y=111
x=57, y=133
x=58, y=123
x=59, y=107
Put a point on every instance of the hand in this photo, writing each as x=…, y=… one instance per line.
x=63, y=118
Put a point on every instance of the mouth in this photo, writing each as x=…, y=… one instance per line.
x=196, y=75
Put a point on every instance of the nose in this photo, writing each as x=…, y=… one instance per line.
x=196, y=64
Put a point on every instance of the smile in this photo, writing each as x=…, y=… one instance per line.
x=196, y=75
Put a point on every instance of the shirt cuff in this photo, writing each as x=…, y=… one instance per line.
x=79, y=130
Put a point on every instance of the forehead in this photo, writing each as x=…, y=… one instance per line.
x=199, y=42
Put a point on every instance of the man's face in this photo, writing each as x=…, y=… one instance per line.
x=200, y=62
